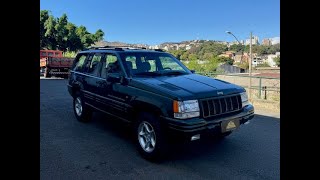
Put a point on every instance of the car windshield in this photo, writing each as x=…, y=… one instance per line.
x=152, y=64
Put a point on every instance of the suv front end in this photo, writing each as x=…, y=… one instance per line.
x=209, y=116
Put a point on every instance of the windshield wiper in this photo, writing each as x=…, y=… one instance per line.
x=149, y=73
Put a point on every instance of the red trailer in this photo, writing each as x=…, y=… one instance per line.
x=52, y=63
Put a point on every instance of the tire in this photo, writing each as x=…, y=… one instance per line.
x=150, y=140
x=82, y=112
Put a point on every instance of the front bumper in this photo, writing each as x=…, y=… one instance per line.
x=193, y=126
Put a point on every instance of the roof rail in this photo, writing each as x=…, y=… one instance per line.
x=117, y=47
x=160, y=50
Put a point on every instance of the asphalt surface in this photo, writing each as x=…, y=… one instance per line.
x=104, y=148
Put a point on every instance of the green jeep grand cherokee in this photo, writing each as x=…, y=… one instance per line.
x=157, y=94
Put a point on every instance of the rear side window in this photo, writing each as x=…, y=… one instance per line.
x=95, y=65
x=80, y=62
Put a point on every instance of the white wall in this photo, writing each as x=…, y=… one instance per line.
x=270, y=60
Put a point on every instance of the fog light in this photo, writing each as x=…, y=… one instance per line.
x=195, y=137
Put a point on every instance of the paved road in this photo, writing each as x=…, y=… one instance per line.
x=104, y=149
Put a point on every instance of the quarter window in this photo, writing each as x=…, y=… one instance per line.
x=80, y=63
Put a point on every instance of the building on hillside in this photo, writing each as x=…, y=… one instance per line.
x=270, y=58
x=266, y=42
x=227, y=68
x=228, y=54
x=255, y=40
x=154, y=47
x=239, y=57
x=256, y=61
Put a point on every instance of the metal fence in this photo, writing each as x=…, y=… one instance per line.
x=267, y=88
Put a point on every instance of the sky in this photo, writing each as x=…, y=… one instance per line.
x=157, y=21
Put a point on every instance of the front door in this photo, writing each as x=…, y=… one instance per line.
x=109, y=98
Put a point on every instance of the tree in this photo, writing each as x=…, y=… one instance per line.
x=244, y=65
x=212, y=47
x=274, y=48
x=99, y=35
x=177, y=53
x=73, y=41
x=62, y=32
x=261, y=50
x=277, y=60
x=86, y=38
x=184, y=55
x=237, y=47
x=225, y=60
x=44, y=15
x=58, y=33
x=212, y=64
x=50, y=32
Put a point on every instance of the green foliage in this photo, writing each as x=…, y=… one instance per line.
x=70, y=54
x=213, y=48
x=277, y=60
x=178, y=53
x=99, y=35
x=204, y=57
x=50, y=31
x=225, y=60
x=265, y=64
x=212, y=64
x=237, y=47
x=244, y=65
x=58, y=33
x=44, y=15
x=185, y=55
x=263, y=50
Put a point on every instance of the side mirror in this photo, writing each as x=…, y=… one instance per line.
x=117, y=78
x=113, y=77
x=193, y=71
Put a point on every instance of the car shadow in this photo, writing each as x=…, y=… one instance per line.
x=178, y=151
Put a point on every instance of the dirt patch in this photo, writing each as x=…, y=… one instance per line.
x=273, y=106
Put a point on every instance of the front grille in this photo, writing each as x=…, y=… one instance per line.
x=220, y=105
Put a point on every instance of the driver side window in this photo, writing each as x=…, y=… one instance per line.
x=110, y=65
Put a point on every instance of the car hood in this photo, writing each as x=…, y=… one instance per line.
x=184, y=87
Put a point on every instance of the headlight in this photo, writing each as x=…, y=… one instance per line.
x=244, y=99
x=186, y=109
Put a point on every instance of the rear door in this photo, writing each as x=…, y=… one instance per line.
x=92, y=77
x=77, y=75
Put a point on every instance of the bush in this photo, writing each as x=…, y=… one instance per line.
x=70, y=54
x=265, y=64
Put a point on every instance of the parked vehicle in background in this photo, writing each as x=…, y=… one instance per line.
x=52, y=63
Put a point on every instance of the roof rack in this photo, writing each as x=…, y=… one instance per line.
x=161, y=50
x=117, y=47
x=121, y=48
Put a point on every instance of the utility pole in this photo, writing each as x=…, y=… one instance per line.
x=250, y=66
